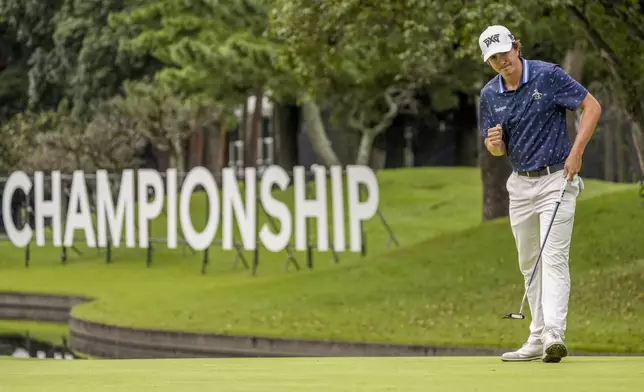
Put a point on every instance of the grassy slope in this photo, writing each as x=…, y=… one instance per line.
x=325, y=374
x=417, y=203
x=411, y=295
x=47, y=332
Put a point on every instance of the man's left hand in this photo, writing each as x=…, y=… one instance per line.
x=572, y=166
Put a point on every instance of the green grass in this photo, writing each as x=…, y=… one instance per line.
x=450, y=283
x=480, y=374
x=46, y=332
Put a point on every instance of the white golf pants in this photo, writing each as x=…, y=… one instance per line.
x=532, y=202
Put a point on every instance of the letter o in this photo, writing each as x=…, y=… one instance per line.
x=199, y=176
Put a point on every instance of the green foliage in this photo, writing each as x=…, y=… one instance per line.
x=73, y=53
x=55, y=140
x=362, y=48
x=13, y=73
x=612, y=31
x=365, y=61
x=616, y=32
x=352, y=57
x=350, y=52
x=162, y=117
x=32, y=20
x=18, y=135
x=13, y=90
x=212, y=49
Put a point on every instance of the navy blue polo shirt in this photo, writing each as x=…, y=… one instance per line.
x=532, y=117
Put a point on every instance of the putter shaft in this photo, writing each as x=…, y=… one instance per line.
x=543, y=245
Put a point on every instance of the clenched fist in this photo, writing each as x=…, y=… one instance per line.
x=494, y=141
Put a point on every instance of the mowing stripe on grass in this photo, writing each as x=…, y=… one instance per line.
x=483, y=374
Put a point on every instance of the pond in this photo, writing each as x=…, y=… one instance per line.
x=23, y=346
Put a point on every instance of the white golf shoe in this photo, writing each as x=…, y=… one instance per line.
x=530, y=351
x=554, y=347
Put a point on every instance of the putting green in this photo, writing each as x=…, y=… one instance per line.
x=326, y=374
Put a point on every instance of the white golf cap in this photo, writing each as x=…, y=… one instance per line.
x=495, y=39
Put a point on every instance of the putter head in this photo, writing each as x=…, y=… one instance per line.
x=514, y=316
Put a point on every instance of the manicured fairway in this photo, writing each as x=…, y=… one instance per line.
x=483, y=374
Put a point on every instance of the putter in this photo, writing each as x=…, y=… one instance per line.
x=520, y=316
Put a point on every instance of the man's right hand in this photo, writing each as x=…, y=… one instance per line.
x=494, y=141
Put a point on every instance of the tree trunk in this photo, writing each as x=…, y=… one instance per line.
x=286, y=124
x=638, y=141
x=378, y=159
x=242, y=135
x=467, y=135
x=366, y=146
x=394, y=147
x=609, y=154
x=394, y=156
x=252, y=138
x=620, y=151
x=637, y=132
x=223, y=148
x=179, y=157
x=494, y=176
x=315, y=130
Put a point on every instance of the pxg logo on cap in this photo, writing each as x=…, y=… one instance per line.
x=495, y=39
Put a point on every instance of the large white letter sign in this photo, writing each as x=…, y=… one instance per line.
x=359, y=211
x=17, y=180
x=232, y=202
x=338, y=208
x=311, y=208
x=148, y=210
x=171, y=194
x=105, y=214
x=199, y=176
x=47, y=208
x=75, y=219
x=273, y=207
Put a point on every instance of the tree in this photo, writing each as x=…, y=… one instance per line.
x=73, y=53
x=164, y=118
x=109, y=141
x=212, y=49
x=13, y=91
x=364, y=59
x=474, y=17
x=547, y=33
x=54, y=140
x=18, y=137
x=616, y=30
x=14, y=80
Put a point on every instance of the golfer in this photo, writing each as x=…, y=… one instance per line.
x=523, y=116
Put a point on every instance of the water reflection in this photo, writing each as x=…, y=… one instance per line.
x=23, y=346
